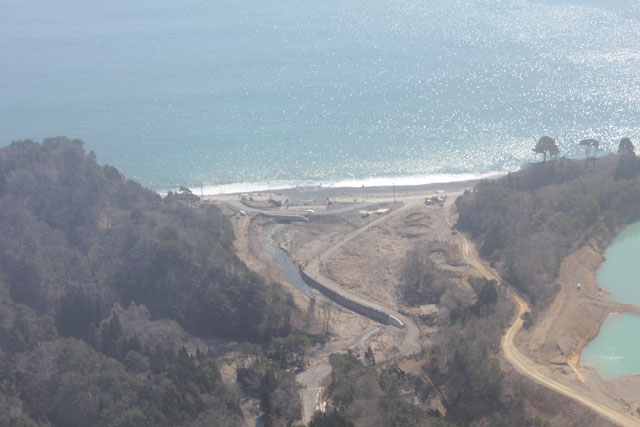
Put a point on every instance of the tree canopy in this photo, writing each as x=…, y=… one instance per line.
x=627, y=167
x=546, y=145
x=626, y=148
x=590, y=146
x=79, y=243
x=526, y=222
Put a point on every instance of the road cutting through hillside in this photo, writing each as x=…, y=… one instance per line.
x=410, y=343
x=526, y=366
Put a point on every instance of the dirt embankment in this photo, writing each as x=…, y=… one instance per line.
x=574, y=318
x=576, y=315
x=372, y=264
x=372, y=272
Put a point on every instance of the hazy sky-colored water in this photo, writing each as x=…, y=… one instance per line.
x=182, y=92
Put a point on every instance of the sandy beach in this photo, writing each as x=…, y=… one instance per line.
x=319, y=195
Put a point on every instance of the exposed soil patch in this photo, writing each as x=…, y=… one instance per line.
x=573, y=319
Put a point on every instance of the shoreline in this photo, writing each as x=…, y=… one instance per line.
x=401, y=183
x=607, y=305
x=314, y=195
x=612, y=312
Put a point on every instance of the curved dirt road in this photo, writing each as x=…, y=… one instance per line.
x=410, y=340
x=410, y=343
x=314, y=377
x=526, y=366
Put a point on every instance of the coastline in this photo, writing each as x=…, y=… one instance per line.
x=601, y=303
x=315, y=195
x=372, y=184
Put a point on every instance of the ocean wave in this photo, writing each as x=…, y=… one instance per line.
x=387, y=181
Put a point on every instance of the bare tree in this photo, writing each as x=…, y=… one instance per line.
x=590, y=147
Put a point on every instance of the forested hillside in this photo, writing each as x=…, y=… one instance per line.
x=527, y=222
x=105, y=288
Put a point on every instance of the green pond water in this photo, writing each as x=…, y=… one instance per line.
x=616, y=349
x=620, y=272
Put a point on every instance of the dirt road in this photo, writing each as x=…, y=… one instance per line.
x=410, y=343
x=407, y=339
x=526, y=366
x=313, y=379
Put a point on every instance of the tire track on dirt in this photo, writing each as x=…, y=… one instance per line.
x=522, y=363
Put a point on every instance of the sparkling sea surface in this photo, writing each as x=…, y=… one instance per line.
x=236, y=94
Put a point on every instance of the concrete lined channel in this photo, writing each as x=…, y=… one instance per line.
x=355, y=306
x=301, y=280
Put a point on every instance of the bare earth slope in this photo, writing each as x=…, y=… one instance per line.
x=550, y=352
x=528, y=368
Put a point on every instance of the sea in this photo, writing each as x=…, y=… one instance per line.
x=241, y=95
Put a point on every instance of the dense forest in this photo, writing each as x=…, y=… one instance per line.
x=459, y=369
x=527, y=222
x=369, y=397
x=110, y=296
x=108, y=293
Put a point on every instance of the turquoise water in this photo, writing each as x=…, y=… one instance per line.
x=616, y=349
x=287, y=91
x=619, y=273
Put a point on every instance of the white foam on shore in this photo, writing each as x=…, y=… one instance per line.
x=309, y=185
